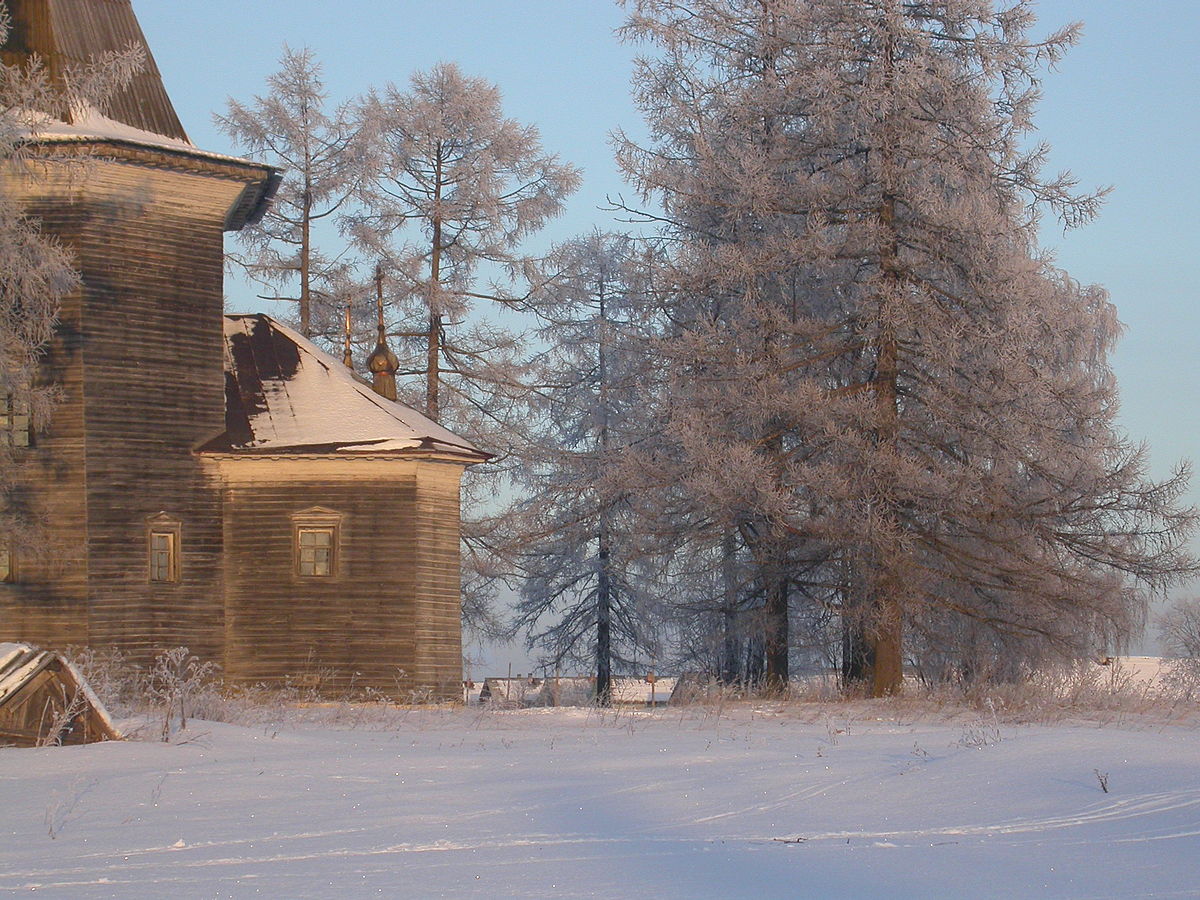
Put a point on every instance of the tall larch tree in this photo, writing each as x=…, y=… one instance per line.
x=583, y=589
x=867, y=328
x=452, y=189
x=293, y=128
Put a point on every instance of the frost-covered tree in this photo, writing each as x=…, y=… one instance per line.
x=452, y=188
x=293, y=128
x=880, y=379
x=582, y=580
x=1179, y=628
x=35, y=270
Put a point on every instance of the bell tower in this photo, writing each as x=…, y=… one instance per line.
x=138, y=352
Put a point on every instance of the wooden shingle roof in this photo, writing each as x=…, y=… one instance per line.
x=69, y=33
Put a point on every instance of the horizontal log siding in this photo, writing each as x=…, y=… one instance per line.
x=388, y=619
x=47, y=604
x=148, y=243
x=438, y=581
x=154, y=389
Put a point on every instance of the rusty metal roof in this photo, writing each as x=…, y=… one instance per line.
x=69, y=33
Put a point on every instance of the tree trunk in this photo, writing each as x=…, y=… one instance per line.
x=434, y=355
x=886, y=631
x=729, y=644
x=603, y=576
x=754, y=661
x=777, y=634
x=858, y=660
x=887, y=671
x=306, y=260
x=604, y=627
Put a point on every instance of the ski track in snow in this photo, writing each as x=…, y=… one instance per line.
x=558, y=805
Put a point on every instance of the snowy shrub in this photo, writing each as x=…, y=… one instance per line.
x=176, y=681
x=116, y=680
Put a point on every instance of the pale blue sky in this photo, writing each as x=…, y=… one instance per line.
x=1121, y=111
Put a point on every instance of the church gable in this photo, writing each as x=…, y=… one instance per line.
x=67, y=34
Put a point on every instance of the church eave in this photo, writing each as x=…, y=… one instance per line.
x=261, y=180
x=344, y=454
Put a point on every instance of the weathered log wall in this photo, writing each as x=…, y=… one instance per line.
x=139, y=357
x=388, y=619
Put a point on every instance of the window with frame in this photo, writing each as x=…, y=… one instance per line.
x=163, y=545
x=7, y=573
x=14, y=416
x=315, y=547
x=316, y=538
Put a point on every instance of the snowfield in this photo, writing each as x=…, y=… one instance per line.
x=844, y=800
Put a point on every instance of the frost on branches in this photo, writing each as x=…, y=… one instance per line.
x=881, y=384
x=452, y=188
x=582, y=582
x=35, y=270
x=290, y=128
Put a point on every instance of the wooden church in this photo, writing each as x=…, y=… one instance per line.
x=211, y=481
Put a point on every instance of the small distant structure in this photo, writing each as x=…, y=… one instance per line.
x=514, y=692
x=521, y=691
x=652, y=690
x=44, y=701
x=567, y=690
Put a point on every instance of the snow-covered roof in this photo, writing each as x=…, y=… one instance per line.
x=638, y=690
x=91, y=125
x=283, y=394
x=20, y=664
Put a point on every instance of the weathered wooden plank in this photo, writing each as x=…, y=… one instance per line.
x=69, y=33
x=373, y=624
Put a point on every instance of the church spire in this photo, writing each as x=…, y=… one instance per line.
x=382, y=362
x=347, y=351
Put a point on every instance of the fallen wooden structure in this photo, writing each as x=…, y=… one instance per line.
x=45, y=701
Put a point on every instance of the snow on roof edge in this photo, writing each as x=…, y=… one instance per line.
x=425, y=430
x=94, y=126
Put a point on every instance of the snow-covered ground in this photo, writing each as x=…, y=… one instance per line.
x=845, y=800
